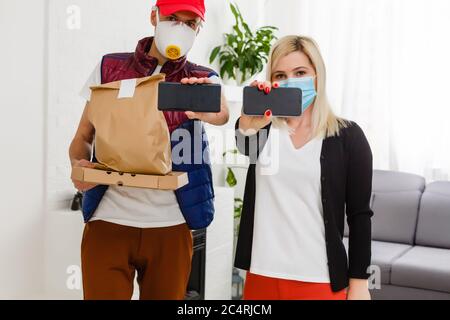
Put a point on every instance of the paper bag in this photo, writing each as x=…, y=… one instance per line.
x=131, y=135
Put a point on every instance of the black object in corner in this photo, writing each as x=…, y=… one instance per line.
x=196, y=285
x=77, y=202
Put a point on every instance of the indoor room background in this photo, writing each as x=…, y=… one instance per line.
x=387, y=62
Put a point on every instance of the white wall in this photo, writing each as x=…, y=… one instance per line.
x=22, y=102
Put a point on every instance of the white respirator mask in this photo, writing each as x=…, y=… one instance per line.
x=173, y=39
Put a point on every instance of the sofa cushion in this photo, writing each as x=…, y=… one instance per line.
x=433, y=226
x=383, y=255
x=395, y=216
x=423, y=268
x=395, y=201
x=392, y=181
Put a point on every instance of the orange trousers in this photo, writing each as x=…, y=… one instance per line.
x=265, y=288
x=111, y=254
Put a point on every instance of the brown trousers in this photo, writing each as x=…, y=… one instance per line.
x=111, y=254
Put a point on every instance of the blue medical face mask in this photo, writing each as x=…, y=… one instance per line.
x=306, y=84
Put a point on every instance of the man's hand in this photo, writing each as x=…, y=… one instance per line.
x=358, y=289
x=83, y=186
x=217, y=119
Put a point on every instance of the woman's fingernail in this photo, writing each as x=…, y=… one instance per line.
x=276, y=85
x=268, y=113
x=260, y=86
x=267, y=90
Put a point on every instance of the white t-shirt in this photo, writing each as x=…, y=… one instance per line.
x=135, y=207
x=289, y=231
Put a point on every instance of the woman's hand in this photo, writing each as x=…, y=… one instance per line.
x=358, y=289
x=251, y=124
x=217, y=119
x=83, y=186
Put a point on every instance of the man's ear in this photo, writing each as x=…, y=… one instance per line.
x=153, y=18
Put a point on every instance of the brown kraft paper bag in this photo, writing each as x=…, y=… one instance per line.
x=131, y=134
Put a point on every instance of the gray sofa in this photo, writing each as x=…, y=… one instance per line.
x=410, y=236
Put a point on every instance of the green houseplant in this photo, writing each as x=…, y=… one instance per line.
x=244, y=52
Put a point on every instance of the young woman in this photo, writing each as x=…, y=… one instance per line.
x=306, y=174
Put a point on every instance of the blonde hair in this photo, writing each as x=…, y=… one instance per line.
x=324, y=121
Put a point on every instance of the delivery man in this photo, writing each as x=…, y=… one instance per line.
x=143, y=231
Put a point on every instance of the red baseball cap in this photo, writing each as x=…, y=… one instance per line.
x=168, y=7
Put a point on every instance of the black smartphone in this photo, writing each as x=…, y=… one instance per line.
x=173, y=96
x=283, y=102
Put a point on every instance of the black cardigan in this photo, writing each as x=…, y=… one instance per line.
x=346, y=178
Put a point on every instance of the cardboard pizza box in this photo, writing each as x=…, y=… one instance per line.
x=104, y=176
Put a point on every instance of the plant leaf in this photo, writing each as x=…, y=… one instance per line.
x=214, y=54
x=231, y=178
x=247, y=29
x=238, y=31
x=234, y=10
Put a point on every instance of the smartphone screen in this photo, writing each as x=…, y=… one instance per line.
x=174, y=96
x=283, y=102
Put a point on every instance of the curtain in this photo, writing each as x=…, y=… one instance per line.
x=388, y=63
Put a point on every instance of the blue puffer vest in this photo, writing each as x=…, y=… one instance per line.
x=196, y=200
